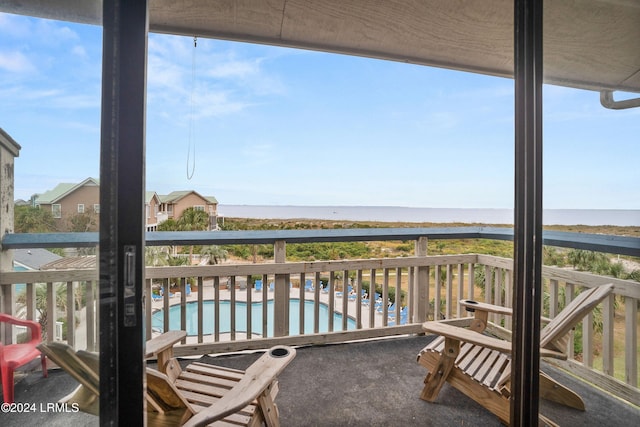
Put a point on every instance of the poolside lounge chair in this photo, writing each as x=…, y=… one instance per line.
x=13, y=356
x=480, y=365
x=339, y=294
x=198, y=395
x=391, y=308
x=308, y=285
x=367, y=301
x=391, y=316
x=171, y=295
x=257, y=285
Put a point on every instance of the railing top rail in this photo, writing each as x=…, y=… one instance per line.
x=596, y=242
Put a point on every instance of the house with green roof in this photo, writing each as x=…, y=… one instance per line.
x=174, y=203
x=69, y=200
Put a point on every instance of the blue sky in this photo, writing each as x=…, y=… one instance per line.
x=283, y=126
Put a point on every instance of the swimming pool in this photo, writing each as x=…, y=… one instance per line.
x=208, y=323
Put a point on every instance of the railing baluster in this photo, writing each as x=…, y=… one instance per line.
x=71, y=315
x=587, y=340
x=31, y=301
x=345, y=299
x=631, y=342
x=51, y=312
x=553, y=298
x=232, y=312
x=265, y=306
x=91, y=315
x=332, y=296
x=249, y=289
x=449, y=292
x=359, y=299
x=301, y=305
x=472, y=282
x=569, y=294
x=200, y=309
x=398, y=294
x=148, y=300
x=460, y=290
x=608, y=315
x=216, y=308
x=183, y=307
x=437, y=303
x=385, y=297
x=508, y=299
x=165, y=303
x=372, y=298
x=497, y=293
x=316, y=306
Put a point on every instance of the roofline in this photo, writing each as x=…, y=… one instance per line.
x=9, y=143
x=186, y=193
x=69, y=191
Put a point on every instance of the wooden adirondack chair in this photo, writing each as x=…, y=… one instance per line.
x=200, y=395
x=480, y=365
x=13, y=356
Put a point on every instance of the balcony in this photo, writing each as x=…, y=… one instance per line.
x=379, y=390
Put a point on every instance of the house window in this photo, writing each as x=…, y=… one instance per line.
x=56, y=210
x=96, y=208
x=80, y=208
x=147, y=210
x=198, y=208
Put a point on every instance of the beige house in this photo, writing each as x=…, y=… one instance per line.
x=152, y=214
x=173, y=204
x=68, y=200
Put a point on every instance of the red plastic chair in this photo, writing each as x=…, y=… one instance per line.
x=13, y=356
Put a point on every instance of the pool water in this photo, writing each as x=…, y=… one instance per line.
x=208, y=323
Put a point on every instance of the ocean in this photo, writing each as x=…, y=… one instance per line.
x=619, y=217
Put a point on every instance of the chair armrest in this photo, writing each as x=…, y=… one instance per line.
x=471, y=305
x=163, y=342
x=34, y=327
x=255, y=380
x=162, y=348
x=466, y=335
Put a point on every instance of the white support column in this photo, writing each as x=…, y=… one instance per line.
x=9, y=150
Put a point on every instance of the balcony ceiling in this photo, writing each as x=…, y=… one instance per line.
x=591, y=44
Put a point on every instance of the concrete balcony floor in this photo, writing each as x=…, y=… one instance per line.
x=374, y=383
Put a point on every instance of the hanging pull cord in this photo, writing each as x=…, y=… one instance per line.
x=191, y=171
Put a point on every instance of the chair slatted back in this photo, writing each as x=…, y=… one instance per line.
x=81, y=370
x=553, y=334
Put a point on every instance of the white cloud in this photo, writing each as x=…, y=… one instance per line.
x=223, y=82
x=79, y=51
x=16, y=62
